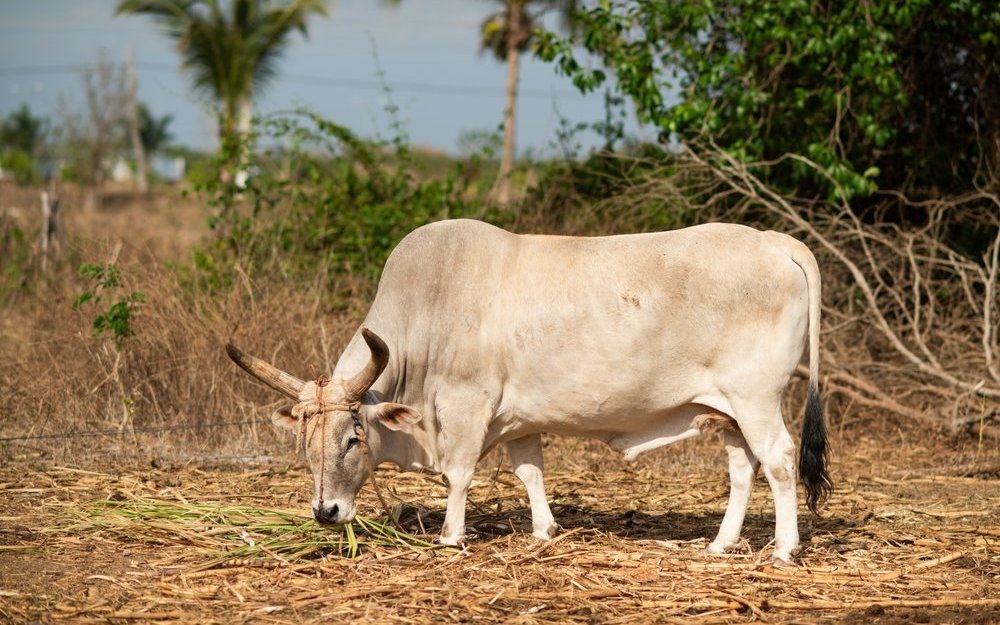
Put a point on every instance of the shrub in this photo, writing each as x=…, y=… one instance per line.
x=116, y=321
x=19, y=165
x=319, y=202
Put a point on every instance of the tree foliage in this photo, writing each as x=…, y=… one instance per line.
x=499, y=32
x=22, y=131
x=900, y=94
x=230, y=54
x=22, y=136
x=154, y=131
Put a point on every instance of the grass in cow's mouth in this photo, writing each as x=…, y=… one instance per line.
x=232, y=534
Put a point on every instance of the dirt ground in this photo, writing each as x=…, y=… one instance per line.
x=912, y=535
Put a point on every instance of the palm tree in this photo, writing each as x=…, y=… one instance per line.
x=507, y=33
x=153, y=131
x=231, y=49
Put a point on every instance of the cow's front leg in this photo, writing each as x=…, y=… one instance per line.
x=459, y=479
x=526, y=458
x=462, y=415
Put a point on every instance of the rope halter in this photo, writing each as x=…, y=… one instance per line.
x=320, y=407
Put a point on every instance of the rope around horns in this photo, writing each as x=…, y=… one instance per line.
x=318, y=407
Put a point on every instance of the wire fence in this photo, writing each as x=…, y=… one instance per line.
x=403, y=86
x=125, y=431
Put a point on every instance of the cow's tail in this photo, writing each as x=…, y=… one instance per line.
x=813, y=450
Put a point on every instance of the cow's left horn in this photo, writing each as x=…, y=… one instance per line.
x=266, y=372
x=358, y=385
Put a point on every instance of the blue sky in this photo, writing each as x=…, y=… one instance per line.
x=427, y=51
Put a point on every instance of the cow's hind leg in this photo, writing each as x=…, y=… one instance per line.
x=779, y=467
x=743, y=467
x=526, y=458
x=769, y=440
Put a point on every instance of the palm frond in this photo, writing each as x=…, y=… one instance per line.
x=230, y=52
x=497, y=32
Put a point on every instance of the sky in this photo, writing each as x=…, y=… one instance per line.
x=425, y=50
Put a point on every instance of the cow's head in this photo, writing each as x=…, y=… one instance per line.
x=332, y=423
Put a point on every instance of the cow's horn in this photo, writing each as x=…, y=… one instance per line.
x=266, y=372
x=358, y=385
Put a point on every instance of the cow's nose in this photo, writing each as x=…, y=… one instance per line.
x=327, y=516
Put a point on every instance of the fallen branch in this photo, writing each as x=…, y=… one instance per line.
x=828, y=604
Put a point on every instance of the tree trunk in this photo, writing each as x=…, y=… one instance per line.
x=504, y=191
x=133, y=127
x=243, y=126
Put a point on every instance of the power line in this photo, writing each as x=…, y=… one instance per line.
x=348, y=83
x=117, y=432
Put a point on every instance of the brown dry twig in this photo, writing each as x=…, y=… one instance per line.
x=933, y=308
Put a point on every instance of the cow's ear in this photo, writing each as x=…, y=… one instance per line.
x=396, y=416
x=283, y=420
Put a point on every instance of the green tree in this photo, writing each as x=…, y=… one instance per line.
x=231, y=49
x=21, y=139
x=22, y=131
x=507, y=33
x=901, y=94
x=153, y=131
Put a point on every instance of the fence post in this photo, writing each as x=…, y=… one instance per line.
x=48, y=236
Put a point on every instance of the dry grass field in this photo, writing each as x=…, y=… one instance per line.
x=209, y=525
x=912, y=535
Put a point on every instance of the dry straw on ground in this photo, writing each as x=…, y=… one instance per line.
x=905, y=539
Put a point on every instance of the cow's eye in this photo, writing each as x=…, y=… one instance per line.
x=351, y=442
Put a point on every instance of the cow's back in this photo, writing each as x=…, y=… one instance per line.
x=571, y=329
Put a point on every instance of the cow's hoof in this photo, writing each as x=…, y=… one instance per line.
x=451, y=541
x=547, y=533
x=779, y=562
x=718, y=549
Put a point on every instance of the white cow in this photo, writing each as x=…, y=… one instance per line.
x=478, y=337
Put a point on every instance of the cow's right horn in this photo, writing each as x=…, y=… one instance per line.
x=358, y=385
x=266, y=372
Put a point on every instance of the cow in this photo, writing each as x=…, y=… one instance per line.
x=479, y=337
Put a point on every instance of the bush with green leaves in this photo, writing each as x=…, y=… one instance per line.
x=20, y=166
x=15, y=250
x=319, y=202
x=116, y=321
x=22, y=137
x=897, y=94
x=604, y=194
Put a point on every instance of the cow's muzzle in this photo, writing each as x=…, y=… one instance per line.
x=328, y=515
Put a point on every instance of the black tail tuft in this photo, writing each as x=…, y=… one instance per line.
x=813, y=453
